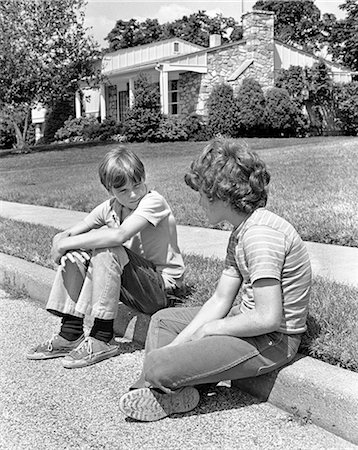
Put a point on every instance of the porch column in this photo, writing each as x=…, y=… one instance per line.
x=163, y=85
x=131, y=93
x=102, y=102
x=78, y=104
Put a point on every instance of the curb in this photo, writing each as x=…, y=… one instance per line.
x=316, y=391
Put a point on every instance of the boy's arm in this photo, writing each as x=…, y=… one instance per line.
x=102, y=238
x=265, y=318
x=214, y=309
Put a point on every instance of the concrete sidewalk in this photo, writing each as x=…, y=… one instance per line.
x=332, y=261
x=325, y=394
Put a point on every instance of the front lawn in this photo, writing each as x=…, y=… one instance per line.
x=332, y=334
x=313, y=184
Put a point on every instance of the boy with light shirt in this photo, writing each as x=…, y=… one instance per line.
x=126, y=249
x=267, y=264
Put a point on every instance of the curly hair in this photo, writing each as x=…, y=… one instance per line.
x=120, y=166
x=226, y=170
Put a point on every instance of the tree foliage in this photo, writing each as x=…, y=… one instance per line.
x=44, y=52
x=195, y=28
x=343, y=38
x=296, y=22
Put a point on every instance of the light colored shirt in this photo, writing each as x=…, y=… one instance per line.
x=267, y=246
x=157, y=242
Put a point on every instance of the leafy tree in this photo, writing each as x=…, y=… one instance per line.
x=195, y=28
x=294, y=81
x=250, y=108
x=296, y=22
x=44, y=52
x=220, y=110
x=343, y=38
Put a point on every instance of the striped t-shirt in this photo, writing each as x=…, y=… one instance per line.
x=267, y=246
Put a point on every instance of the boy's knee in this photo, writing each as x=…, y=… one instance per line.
x=157, y=371
x=117, y=253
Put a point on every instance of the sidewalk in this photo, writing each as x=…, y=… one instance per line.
x=325, y=394
x=332, y=261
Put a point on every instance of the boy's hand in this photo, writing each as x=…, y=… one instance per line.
x=76, y=257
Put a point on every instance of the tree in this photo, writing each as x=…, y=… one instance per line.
x=343, y=38
x=296, y=22
x=44, y=53
x=195, y=28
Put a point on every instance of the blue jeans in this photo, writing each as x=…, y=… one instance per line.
x=112, y=275
x=208, y=360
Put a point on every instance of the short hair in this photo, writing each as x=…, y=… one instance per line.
x=226, y=170
x=120, y=166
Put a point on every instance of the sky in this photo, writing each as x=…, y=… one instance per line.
x=101, y=15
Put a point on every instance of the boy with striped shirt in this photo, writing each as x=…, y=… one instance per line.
x=267, y=264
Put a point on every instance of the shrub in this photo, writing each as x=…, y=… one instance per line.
x=56, y=117
x=142, y=121
x=282, y=118
x=220, y=107
x=103, y=131
x=7, y=135
x=171, y=129
x=72, y=129
x=346, y=106
x=196, y=128
x=249, y=109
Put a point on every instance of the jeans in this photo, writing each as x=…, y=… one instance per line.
x=112, y=275
x=208, y=360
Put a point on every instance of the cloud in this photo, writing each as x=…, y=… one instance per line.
x=100, y=27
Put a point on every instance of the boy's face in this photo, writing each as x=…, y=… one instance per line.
x=215, y=210
x=130, y=194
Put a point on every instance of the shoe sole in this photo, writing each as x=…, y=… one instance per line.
x=40, y=356
x=77, y=364
x=148, y=405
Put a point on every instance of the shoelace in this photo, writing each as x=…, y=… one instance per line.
x=85, y=346
x=49, y=343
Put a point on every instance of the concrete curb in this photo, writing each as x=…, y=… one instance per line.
x=318, y=392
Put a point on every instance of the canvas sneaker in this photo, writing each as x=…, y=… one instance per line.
x=55, y=347
x=90, y=351
x=148, y=405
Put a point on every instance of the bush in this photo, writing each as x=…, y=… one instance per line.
x=196, y=129
x=282, y=118
x=7, y=135
x=73, y=129
x=249, y=109
x=171, y=129
x=104, y=131
x=142, y=121
x=346, y=107
x=56, y=117
x=220, y=107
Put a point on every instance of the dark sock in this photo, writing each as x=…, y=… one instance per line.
x=102, y=329
x=71, y=328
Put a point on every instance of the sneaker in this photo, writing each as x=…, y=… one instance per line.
x=90, y=351
x=148, y=405
x=55, y=347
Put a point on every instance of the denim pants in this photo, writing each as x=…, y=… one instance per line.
x=112, y=274
x=210, y=359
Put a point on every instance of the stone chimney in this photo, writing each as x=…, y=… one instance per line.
x=215, y=40
x=258, y=32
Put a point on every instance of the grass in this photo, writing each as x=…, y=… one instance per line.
x=332, y=334
x=313, y=183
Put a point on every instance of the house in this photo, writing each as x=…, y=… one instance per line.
x=187, y=73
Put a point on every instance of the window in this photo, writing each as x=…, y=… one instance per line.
x=174, y=97
x=176, y=47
